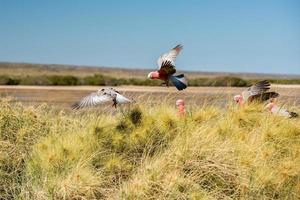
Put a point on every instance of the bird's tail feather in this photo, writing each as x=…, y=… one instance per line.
x=179, y=81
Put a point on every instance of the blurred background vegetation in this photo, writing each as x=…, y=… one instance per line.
x=42, y=74
x=103, y=80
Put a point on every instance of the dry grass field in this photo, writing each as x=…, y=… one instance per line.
x=146, y=151
x=64, y=96
x=218, y=150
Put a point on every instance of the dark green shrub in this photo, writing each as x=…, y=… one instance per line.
x=7, y=80
x=97, y=79
x=225, y=81
x=63, y=80
x=285, y=81
x=35, y=80
x=229, y=81
x=4, y=80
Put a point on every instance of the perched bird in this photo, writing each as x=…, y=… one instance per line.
x=100, y=97
x=274, y=109
x=181, y=107
x=166, y=71
x=257, y=92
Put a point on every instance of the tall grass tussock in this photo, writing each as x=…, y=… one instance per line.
x=148, y=152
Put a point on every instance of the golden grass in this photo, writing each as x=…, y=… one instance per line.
x=148, y=152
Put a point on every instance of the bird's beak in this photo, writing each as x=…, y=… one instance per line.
x=150, y=75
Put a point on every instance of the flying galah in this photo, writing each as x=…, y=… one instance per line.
x=166, y=71
x=100, y=97
x=274, y=109
x=257, y=92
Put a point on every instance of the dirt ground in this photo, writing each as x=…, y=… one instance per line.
x=64, y=96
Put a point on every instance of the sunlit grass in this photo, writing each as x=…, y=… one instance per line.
x=148, y=152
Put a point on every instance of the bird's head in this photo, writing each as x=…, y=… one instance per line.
x=179, y=102
x=238, y=98
x=153, y=75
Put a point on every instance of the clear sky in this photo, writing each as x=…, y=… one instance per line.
x=218, y=35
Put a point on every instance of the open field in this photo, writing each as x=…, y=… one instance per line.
x=65, y=75
x=145, y=150
x=64, y=96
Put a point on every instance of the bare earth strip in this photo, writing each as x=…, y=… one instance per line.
x=64, y=96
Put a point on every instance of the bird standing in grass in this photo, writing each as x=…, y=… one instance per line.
x=274, y=109
x=181, y=107
x=100, y=97
x=257, y=92
x=166, y=71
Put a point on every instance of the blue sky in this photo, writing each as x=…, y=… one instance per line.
x=218, y=35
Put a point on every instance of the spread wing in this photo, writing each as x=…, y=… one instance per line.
x=121, y=99
x=93, y=99
x=284, y=112
x=166, y=62
x=115, y=94
x=263, y=96
x=256, y=89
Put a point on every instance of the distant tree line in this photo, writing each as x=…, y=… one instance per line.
x=99, y=79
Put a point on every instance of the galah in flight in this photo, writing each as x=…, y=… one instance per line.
x=166, y=69
x=274, y=109
x=100, y=97
x=257, y=92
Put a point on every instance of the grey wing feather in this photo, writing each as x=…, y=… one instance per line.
x=169, y=56
x=121, y=99
x=258, y=88
x=262, y=96
x=93, y=99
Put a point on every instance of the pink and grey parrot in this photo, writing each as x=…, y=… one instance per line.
x=100, y=97
x=166, y=71
x=181, y=107
x=274, y=109
x=257, y=92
